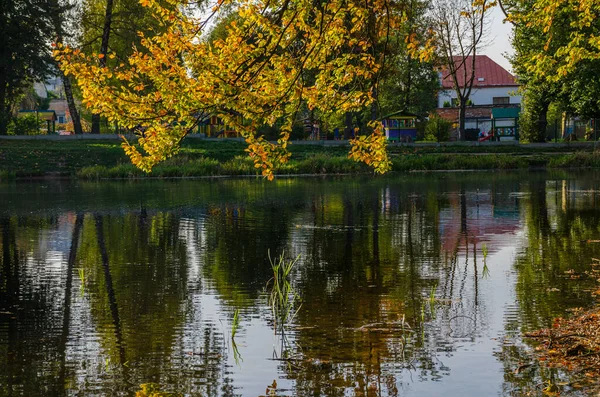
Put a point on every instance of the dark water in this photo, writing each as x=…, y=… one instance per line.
x=108, y=286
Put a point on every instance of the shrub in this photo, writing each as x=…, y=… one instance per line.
x=24, y=125
x=5, y=175
x=437, y=129
x=65, y=127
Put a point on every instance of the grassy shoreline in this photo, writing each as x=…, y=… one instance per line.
x=94, y=159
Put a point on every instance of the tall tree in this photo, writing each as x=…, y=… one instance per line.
x=113, y=26
x=561, y=54
x=24, y=53
x=106, y=28
x=410, y=81
x=58, y=12
x=254, y=76
x=557, y=58
x=460, y=28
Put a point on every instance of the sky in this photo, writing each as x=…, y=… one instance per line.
x=499, y=39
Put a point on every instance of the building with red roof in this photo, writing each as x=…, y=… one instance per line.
x=493, y=84
x=493, y=87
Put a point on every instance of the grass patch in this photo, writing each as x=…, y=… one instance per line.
x=178, y=167
x=432, y=162
x=576, y=160
x=172, y=168
x=91, y=159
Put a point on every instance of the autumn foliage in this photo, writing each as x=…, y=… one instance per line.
x=571, y=30
x=277, y=56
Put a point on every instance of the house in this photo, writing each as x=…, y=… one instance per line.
x=61, y=108
x=54, y=85
x=493, y=88
x=53, y=88
x=493, y=84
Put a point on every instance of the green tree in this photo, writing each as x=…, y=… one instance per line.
x=410, y=82
x=557, y=58
x=24, y=53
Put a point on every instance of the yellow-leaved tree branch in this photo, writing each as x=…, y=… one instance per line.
x=276, y=56
x=570, y=30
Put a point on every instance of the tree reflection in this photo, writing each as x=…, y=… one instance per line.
x=561, y=217
x=391, y=277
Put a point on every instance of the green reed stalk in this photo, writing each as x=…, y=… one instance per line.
x=283, y=298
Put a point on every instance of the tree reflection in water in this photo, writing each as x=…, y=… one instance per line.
x=394, y=283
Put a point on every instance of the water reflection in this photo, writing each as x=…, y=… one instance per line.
x=105, y=287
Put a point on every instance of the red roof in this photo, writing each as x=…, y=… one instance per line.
x=487, y=73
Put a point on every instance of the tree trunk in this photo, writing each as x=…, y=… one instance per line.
x=359, y=122
x=103, y=52
x=72, y=108
x=408, y=87
x=348, y=133
x=57, y=19
x=462, y=112
x=4, y=112
x=540, y=136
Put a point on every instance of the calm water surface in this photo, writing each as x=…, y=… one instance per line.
x=417, y=285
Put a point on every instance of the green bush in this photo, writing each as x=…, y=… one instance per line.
x=437, y=129
x=24, y=125
x=5, y=175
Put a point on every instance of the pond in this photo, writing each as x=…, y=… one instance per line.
x=405, y=285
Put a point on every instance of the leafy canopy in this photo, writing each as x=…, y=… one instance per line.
x=571, y=33
x=276, y=56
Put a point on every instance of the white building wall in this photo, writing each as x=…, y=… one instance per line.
x=482, y=96
x=54, y=84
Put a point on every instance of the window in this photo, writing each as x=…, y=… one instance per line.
x=501, y=100
x=61, y=119
x=454, y=102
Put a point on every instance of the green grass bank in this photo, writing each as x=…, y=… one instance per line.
x=95, y=159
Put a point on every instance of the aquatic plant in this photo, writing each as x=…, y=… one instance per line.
x=237, y=357
x=283, y=298
x=486, y=270
x=235, y=323
x=432, y=294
